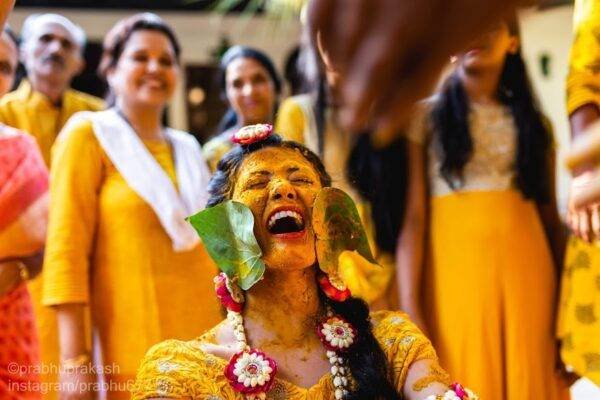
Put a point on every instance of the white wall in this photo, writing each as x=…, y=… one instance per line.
x=550, y=32
x=198, y=32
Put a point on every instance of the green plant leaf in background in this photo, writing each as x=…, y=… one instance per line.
x=337, y=228
x=228, y=236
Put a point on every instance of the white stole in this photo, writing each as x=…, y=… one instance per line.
x=146, y=177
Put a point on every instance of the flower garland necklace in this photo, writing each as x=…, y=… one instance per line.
x=252, y=373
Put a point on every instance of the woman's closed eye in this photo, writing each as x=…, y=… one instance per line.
x=302, y=180
x=257, y=184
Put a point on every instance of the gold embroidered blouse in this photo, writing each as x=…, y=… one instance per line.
x=177, y=369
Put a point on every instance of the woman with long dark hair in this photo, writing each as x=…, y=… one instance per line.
x=293, y=332
x=251, y=85
x=482, y=187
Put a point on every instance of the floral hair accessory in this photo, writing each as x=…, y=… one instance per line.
x=252, y=373
x=252, y=134
x=333, y=287
x=336, y=334
x=229, y=293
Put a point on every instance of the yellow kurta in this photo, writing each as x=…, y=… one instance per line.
x=33, y=113
x=489, y=278
x=583, y=81
x=579, y=314
x=107, y=248
x=176, y=369
x=371, y=284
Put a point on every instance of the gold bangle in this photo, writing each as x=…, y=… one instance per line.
x=23, y=271
x=71, y=364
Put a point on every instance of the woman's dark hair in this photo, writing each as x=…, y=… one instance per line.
x=229, y=120
x=367, y=363
x=450, y=121
x=293, y=74
x=117, y=38
x=381, y=176
x=378, y=174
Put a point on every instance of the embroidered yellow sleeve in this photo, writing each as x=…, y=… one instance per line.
x=404, y=344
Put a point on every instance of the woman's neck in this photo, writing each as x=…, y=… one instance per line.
x=283, y=308
x=481, y=86
x=145, y=121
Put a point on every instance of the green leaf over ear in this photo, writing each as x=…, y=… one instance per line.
x=228, y=236
x=338, y=228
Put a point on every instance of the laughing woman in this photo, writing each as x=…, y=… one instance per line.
x=122, y=184
x=315, y=340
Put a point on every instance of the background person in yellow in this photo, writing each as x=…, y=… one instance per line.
x=311, y=119
x=252, y=87
x=51, y=50
x=121, y=187
x=482, y=219
x=579, y=327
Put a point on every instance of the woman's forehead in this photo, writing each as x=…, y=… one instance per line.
x=275, y=159
x=243, y=65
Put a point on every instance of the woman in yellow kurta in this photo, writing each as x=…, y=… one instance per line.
x=122, y=185
x=482, y=202
x=383, y=355
x=579, y=319
x=252, y=87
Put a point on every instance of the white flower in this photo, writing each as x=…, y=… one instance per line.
x=252, y=369
x=338, y=333
x=450, y=395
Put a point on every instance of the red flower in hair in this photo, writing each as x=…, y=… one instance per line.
x=252, y=133
x=334, y=289
x=229, y=294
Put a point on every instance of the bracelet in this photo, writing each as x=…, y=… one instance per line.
x=71, y=364
x=23, y=271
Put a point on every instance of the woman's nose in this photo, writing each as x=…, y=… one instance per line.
x=283, y=190
x=247, y=89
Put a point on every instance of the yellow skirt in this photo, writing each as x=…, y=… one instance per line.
x=490, y=295
x=579, y=327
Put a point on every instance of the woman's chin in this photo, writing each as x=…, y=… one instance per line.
x=289, y=260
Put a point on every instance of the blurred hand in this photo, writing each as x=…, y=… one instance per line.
x=585, y=154
x=584, y=220
x=390, y=53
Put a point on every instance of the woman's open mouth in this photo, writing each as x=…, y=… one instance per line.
x=286, y=223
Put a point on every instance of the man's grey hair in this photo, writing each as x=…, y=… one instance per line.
x=34, y=21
